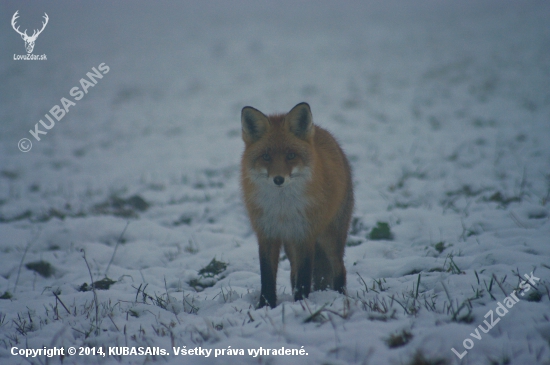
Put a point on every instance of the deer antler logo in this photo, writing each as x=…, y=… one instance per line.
x=29, y=41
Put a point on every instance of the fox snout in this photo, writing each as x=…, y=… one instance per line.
x=279, y=180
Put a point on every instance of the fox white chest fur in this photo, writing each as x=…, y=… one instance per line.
x=283, y=208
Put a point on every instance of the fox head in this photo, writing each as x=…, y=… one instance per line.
x=278, y=147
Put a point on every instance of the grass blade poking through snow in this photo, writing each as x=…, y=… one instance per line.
x=95, y=294
x=116, y=247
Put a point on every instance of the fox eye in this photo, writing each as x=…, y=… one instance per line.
x=290, y=155
x=266, y=157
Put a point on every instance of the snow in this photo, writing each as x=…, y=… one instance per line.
x=442, y=107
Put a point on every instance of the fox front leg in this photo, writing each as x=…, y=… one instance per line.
x=303, y=270
x=269, y=261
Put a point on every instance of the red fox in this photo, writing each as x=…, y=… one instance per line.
x=298, y=191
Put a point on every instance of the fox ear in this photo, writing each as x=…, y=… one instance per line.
x=300, y=121
x=254, y=124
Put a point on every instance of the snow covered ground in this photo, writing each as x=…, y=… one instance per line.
x=443, y=108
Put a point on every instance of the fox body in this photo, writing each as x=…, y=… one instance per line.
x=298, y=192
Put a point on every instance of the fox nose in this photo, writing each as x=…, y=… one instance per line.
x=278, y=180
